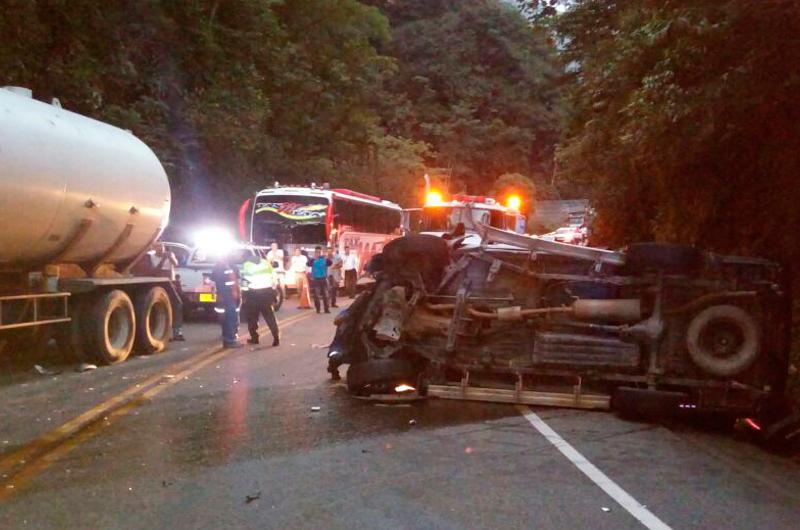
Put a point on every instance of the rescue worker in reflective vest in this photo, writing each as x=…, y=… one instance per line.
x=259, y=296
x=226, y=280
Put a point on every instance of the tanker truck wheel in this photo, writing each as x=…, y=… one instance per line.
x=153, y=321
x=112, y=327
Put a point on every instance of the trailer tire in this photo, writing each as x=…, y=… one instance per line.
x=380, y=372
x=112, y=327
x=723, y=340
x=153, y=321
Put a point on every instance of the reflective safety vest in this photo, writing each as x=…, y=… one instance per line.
x=258, y=275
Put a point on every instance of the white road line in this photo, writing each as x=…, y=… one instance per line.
x=642, y=514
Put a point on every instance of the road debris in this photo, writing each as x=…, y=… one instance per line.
x=86, y=367
x=412, y=422
x=250, y=498
x=316, y=409
x=41, y=370
x=606, y=509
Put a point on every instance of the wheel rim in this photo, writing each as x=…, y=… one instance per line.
x=722, y=338
x=119, y=328
x=157, y=321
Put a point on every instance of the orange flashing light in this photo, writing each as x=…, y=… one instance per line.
x=434, y=198
x=514, y=203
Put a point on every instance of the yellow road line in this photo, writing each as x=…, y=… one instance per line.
x=38, y=454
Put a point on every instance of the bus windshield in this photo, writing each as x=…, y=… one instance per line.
x=290, y=219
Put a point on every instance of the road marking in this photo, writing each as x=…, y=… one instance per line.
x=631, y=505
x=32, y=458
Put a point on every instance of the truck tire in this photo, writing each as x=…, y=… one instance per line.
x=380, y=375
x=153, y=321
x=111, y=324
x=723, y=340
x=407, y=256
x=663, y=257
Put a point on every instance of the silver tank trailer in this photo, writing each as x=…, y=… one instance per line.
x=63, y=175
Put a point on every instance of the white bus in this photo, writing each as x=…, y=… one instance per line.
x=305, y=217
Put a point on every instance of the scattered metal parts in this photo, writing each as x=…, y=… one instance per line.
x=458, y=314
x=86, y=367
x=41, y=370
x=493, y=270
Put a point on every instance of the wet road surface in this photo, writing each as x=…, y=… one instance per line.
x=228, y=439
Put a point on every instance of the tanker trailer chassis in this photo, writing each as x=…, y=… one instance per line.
x=92, y=319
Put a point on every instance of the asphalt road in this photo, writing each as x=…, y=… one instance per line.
x=215, y=439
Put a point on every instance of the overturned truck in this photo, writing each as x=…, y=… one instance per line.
x=515, y=318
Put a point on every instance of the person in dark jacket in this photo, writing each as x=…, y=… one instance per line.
x=226, y=278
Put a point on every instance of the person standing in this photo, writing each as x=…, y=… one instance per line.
x=177, y=311
x=226, y=279
x=166, y=265
x=319, y=279
x=259, y=297
x=299, y=268
x=334, y=274
x=350, y=267
x=275, y=257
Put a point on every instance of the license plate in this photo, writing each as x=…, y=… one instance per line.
x=208, y=297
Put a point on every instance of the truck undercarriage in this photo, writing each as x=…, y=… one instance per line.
x=658, y=327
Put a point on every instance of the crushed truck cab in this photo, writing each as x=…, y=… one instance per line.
x=657, y=327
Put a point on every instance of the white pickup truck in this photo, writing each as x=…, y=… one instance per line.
x=193, y=273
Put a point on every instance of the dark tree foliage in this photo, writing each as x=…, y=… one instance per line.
x=476, y=83
x=231, y=94
x=683, y=119
x=235, y=94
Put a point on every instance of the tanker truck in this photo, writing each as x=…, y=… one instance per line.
x=81, y=202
